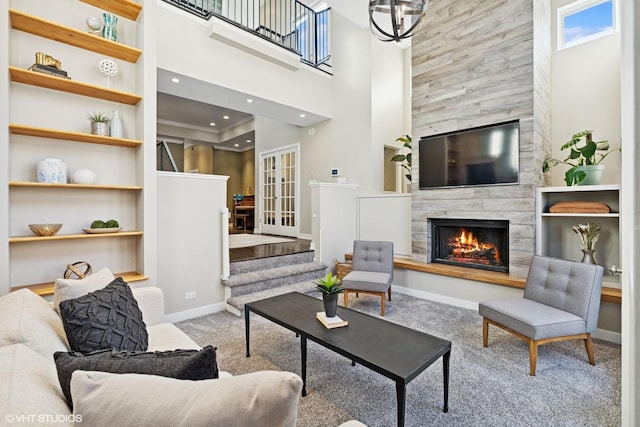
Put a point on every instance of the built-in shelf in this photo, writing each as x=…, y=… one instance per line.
x=125, y=8
x=74, y=186
x=17, y=129
x=44, y=289
x=581, y=215
x=25, y=239
x=608, y=294
x=33, y=78
x=71, y=36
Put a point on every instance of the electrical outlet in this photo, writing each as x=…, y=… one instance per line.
x=189, y=295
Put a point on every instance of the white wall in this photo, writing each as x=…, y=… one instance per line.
x=585, y=83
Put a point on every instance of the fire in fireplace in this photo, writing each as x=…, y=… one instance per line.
x=480, y=244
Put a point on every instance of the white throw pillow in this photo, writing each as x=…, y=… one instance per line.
x=30, y=392
x=263, y=398
x=28, y=319
x=65, y=289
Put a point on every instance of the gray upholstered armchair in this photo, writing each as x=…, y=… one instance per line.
x=372, y=271
x=561, y=302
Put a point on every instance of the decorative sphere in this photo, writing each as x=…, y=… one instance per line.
x=93, y=23
x=84, y=176
x=108, y=67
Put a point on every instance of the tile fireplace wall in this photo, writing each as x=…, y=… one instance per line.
x=477, y=63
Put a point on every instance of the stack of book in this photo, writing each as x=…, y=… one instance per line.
x=330, y=322
x=46, y=69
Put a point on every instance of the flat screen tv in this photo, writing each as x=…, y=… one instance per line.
x=486, y=155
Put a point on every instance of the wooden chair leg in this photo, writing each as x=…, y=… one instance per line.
x=382, y=301
x=389, y=291
x=485, y=332
x=346, y=299
x=589, y=345
x=533, y=357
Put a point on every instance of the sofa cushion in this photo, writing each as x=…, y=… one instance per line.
x=65, y=289
x=166, y=336
x=28, y=319
x=30, y=388
x=105, y=319
x=264, y=398
x=180, y=364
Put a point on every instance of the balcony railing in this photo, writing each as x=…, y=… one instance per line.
x=288, y=23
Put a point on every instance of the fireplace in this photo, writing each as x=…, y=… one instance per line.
x=473, y=243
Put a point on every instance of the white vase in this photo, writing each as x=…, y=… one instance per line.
x=115, y=128
x=52, y=171
x=84, y=176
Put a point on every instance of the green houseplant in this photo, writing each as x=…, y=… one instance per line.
x=584, y=156
x=406, y=142
x=99, y=124
x=330, y=287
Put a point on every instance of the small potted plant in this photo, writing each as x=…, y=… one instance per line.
x=99, y=124
x=584, y=159
x=330, y=287
x=589, y=234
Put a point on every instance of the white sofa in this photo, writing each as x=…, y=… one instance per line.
x=30, y=394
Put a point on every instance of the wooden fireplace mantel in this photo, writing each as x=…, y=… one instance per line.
x=609, y=294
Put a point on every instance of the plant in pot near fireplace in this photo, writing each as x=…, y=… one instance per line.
x=585, y=157
x=330, y=286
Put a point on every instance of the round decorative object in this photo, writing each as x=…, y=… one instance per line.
x=93, y=24
x=84, y=176
x=80, y=269
x=45, y=229
x=108, y=67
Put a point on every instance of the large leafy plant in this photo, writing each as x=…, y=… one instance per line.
x=406, y=142
x=329, y=284
x=581, y=153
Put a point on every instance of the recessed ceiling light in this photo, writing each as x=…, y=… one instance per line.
x=225, y=117
x=175, y=80
x=212, y=124
x=249, y=100
x=236, y=145
x=248, y=140
x=303, y=115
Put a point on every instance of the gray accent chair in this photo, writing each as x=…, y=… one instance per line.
x=561, y=302
x=372, y=271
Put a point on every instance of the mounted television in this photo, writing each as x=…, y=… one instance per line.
x=486, y=155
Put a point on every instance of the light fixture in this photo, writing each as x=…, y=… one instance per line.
x=212, y=124
x=249, y=100
x=303, y=115
x=236, y=145
x=175, y=80
x=395, y=20
x=248, y=140
x=225, y=117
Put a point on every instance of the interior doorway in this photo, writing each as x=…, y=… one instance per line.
x=279, y=189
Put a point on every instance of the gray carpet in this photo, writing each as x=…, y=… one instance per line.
x=488, y=386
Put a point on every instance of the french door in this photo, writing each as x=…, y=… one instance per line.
x=279, y=190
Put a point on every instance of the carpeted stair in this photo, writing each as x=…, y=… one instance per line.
x=255, y=279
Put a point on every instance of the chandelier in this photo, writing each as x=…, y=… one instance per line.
x=395, y=20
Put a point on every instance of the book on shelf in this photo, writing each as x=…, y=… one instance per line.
x=331, y=322
x=52, y=71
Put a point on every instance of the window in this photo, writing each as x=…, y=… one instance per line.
x=586, y=20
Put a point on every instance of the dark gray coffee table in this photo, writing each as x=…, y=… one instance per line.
x=397, y=352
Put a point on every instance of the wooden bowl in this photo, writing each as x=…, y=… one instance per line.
x=45, y=229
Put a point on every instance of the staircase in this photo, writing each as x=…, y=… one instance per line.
x=255, y=279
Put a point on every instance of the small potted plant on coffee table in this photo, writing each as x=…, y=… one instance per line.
x=330, y=287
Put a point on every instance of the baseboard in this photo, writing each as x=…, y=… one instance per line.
x=194, y=312
x=436, y=297
x=601, y=334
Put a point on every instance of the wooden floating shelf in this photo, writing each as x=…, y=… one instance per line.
x=24, y=239
x=73, y=136
x=73, y=186
x=44, y=289
x=608, y=294
x=124, y=8
x=63, y=34
x=71, y=86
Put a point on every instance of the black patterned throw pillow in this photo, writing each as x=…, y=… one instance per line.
x=105, y=319
x=179, y=364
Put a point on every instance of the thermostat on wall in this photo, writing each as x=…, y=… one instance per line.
x=335, y=172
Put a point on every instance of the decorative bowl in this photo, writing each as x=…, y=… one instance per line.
x=45, y=229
